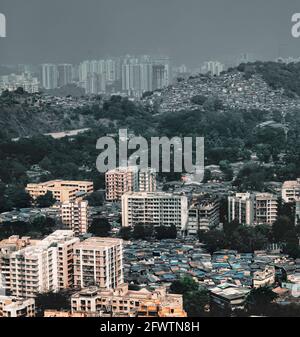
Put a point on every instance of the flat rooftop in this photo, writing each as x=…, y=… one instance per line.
x=99, y=242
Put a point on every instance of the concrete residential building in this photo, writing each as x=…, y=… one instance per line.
x=266, y=277
x=241, y=208
x=75, y=216
x=290, y=190
x=265, y=208
x=65, y=72
x=12, y=82
x=47, y=266
x=158, y=76
x=147, y=180
x=229, y=296
x=213, y=67
x=155, y=208
x=123, y=302
x=62, y=190
x=49, y=76
x=95, y=84
x=203, y=214
x=98, y=262
x=7, y=247
x=119, y=181
x=252, y=209
x=15, y=307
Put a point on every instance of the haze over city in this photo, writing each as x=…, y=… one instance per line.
x=189, y=31
x=149, y=162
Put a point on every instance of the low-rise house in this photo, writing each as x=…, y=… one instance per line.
x=264, y=277
x=16, y=307
x=229, y=296
x=124, y=302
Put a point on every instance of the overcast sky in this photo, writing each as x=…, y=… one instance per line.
x=190, y=31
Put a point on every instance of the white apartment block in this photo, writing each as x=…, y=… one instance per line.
x=265, y=208
x=253, y=209
x=119, y=181
x=155, y=208
x=147, y=180
x=46, y=266
x=12, y=82
x=75, y=216
x=213, y=67
x=98, y=262
x=16, y=307
x=241, y=208
x=49, y=76
x=290, y=190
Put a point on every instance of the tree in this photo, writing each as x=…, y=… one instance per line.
x=195, y=299
x=18, y=197
x=100, y=227
x=213, y=240
x=196, y=302
x=280, y=227
x=259, y=300
x=207, y=176
x=142, y=231
x=41, y=226
x=46, y=200
x=184, y=285
x=198, y=99
x=8, y=229
x=251, y=177
x=165, y=232
x=52, y=301
x=95, y=199
x=225, y=167
x=230, y=227
x=125, y=233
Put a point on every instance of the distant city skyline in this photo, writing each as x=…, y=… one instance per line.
x=190, y=32
x=127, y=75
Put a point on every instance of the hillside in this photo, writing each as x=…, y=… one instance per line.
x=265, y=86
x=22, y=114
x=198, y=104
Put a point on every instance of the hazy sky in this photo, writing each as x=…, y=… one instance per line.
x=190, y=31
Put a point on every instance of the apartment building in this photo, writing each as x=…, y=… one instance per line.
x=123, y=302
x=15, y=307
x=147, y=180
x=290, y=190
x=75, y=216
x=121, y=180
x=203, y=214
x=62, y=190
x=7, y=247
x=241, y=208
x=46, y=266
x=98, y=262
x=155, y=208
x=265, y=208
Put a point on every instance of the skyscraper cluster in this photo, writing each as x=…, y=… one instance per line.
x=214, y=68
x=144, y=74
x=130, y=75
